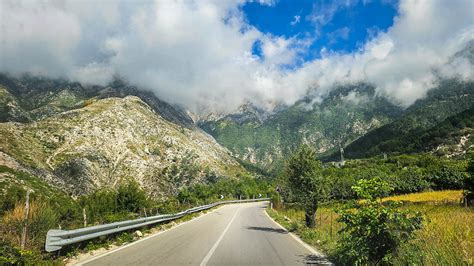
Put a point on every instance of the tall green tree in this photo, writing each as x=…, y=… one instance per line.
x=306, y=181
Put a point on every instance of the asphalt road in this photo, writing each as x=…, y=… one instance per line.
x=237, y=234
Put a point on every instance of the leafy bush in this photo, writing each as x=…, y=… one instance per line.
x=130, y=197
x=10, y=198
x=373, y=231
x=448, y=178
x=410, y=181
x=13, y=255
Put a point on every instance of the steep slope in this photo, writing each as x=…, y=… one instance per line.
x=112, y=139
x=347, y=113
x=449, y=99
x=33, y=98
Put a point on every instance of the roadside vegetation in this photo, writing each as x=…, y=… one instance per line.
x=23, y=229
x=410, y=209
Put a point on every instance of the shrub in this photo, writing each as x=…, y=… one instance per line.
x=40, y=219
x=12, y=255
x=373, y=231
x=448, y=178
x=130, y=197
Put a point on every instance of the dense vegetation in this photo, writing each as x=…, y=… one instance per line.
x=444, y=239
x=370, y=231
x=404, y=173
x=437, y=119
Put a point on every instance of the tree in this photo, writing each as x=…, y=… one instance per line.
x=373, y=230
x=306, y=181
x=469, y=182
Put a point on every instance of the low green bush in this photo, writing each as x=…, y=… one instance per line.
x=372, y=231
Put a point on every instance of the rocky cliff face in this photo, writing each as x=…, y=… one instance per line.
x=100, y=142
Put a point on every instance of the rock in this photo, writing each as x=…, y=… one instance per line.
x=138, y=233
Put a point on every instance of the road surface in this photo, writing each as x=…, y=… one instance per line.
x=237, y=234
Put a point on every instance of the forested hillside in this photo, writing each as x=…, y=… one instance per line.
x=423, y=127
x=347, y=113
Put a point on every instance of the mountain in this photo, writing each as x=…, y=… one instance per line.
x=347, y=113
x=32, y=98
x=81, y=138
x=423, y=124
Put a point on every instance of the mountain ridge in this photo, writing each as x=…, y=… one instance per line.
x=112, y=139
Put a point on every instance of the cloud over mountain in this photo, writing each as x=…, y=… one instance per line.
x=199, y=53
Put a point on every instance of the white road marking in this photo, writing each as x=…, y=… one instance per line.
x=308, y=247
x=144, y=239
x=209, y=254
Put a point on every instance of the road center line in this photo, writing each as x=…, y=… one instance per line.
x=211, y=251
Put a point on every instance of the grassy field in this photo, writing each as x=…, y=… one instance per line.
x=430, y=196
x=446, y=237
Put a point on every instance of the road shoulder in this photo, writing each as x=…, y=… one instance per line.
x=318, y=259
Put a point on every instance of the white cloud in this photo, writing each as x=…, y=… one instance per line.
x=323, y=12
x=296, y=20
x=199, y=53
x=339, y=34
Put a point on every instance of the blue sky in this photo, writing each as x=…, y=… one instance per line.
x=339, y=26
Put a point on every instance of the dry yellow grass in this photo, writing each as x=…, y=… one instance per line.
x=431, y=196
x=445, y=239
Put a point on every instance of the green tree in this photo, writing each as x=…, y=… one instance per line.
x=469, y=181
x=306, y=181
x=373, y=231
x=130, y=197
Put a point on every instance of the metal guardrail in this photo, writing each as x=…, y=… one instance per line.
x=56, y=239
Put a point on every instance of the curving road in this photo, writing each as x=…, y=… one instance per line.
x=237, y=234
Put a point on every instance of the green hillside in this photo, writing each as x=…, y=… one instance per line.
x=422, y=127
x=347, y=113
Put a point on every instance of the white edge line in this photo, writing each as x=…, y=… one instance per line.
x=308, y=247
x=144, y=239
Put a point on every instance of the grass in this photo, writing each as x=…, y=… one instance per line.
x=430, y=196
x=445, y=239
x=324, y=236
